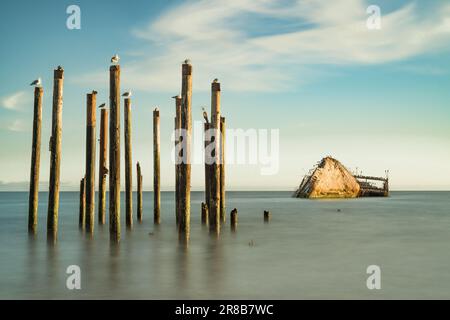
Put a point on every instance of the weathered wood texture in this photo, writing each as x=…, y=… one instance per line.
x=139, y=192
x=208, y=167
x=82, y=212
x=223, y=213
x=128, y=165
x=185, y=166
x=156, y=169
x=91, y=102
x=177, y=165
x=114, y=153
x=102, y=167
x=33, y=200
x=204, y=213
x=214, y=207
x=55, y=155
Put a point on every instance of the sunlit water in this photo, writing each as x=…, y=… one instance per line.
x=308, y=250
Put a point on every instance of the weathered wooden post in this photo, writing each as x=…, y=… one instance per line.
x=35, y=162
x=208, y=167
x=214, y=207
x=55, y=155
x=128, y=166
x=102, y=169
x=185, y=166
x=90, y=160
x=82, y=216
x=114, y=153
x=177, y=166
x=156, y=169
x=267, y=216
x=204, y=213
x=139, y=192
x=223, y=214
x=234, y=219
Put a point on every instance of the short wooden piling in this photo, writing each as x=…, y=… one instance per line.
x=128, y=165
x=222, y=170
x=214, y=206
x=204, y=213
x=35, y=162
x=267, y=216
x=156, y=169
x=114, y=153
x=234, y=219
x=102, y=167
x=90, y=160
x=185, y=166
x=55, y=155
x=139, y=192
x=82, y=214
x=177, y=165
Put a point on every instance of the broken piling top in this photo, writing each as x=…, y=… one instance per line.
x=329, y=180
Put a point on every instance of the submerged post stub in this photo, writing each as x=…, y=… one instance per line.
x=234, y=219
x=267, y=216
x=205, y=213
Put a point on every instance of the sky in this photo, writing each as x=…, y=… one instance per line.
x=373, y=99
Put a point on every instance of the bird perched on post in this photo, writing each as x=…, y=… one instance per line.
x=175, y=97
x=36, y=82
x=205, y=115
x=115, y=59
x=94, y=92
x=216, y=80
x=102, y=105
x=127, y=94
x=187, y=61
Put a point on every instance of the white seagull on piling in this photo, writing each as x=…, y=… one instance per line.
x=205, y=115
x=115, y=59
x=36, y=82
x=127, y=94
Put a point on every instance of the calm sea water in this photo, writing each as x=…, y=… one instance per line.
x=308, y=250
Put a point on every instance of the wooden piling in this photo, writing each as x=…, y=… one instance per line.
x=35, y=162
x=208, y=167
x=156, y=169
x=185, y=166
x=139, y=192
x=114, y=153
x=177, y=165
x=90, y=160
x=128, y=165
x=55, y=155
x=234, y=219
x=214, y=207
x=204, y=213
x=267, y=216
x=223, y=214
x=82, y=215
x=102, y=167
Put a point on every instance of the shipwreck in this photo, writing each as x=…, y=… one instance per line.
x=330, y=179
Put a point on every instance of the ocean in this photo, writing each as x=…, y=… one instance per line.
x=311, y=249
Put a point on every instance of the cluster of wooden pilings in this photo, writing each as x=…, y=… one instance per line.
x=213, y=209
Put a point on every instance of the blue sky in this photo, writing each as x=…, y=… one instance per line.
x=374, y=99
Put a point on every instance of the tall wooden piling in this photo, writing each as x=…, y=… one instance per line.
x=185, y=166
x=55, y=155
x=91, y=101
x=156, y=169
x=114, y=153
x=139, y=192
x=128, y=165
x=208, y=167
x=82, y=214
x=177, y=165
x=223, y=214
x=234, y=219
x=102, y=167
x=35, y=161
x=214, y=207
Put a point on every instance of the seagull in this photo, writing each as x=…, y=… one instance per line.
x=36, y=82
x=187, y=61
x=94, y=92
x=115, y=59
x=205, y=115
x=176, y=97
x=127, y=94
x=216, y=80
x=156, y=109
x=102, y=105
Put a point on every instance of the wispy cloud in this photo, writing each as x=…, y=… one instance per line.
x=16, y=126
x=16, y=100
x=236, y=41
